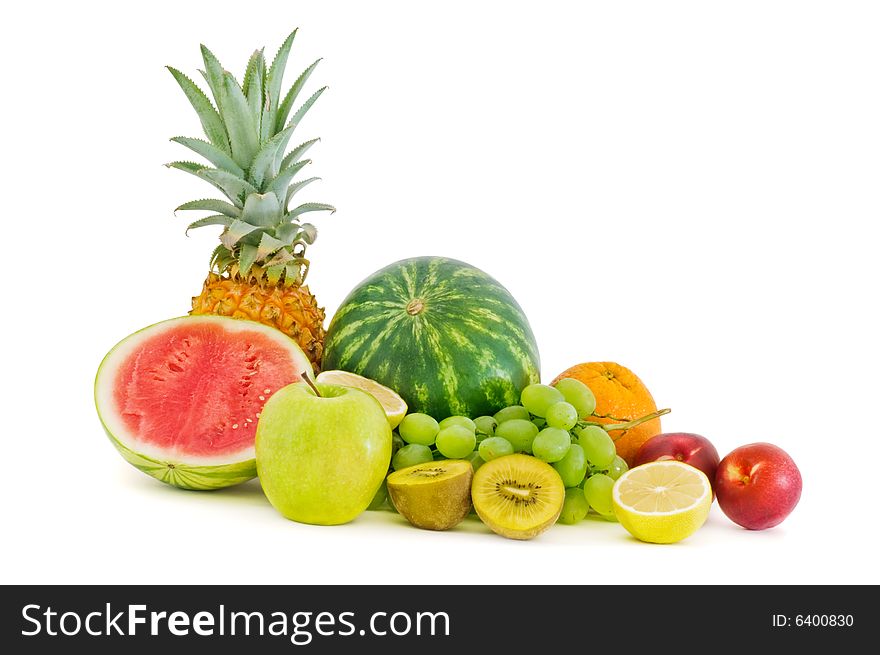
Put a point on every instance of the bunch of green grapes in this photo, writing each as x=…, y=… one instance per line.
x=551, y=423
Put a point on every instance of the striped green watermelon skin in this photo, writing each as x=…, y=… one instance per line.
x=446, y=336
x=183, y=476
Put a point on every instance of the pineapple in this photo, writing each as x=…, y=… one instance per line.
x=259, y=268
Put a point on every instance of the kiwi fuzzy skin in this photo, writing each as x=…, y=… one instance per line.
x=433, y=504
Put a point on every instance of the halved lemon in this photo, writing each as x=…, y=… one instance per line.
x=394, y=406
x=662, y=502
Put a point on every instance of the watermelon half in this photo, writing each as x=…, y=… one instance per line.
x=180, y=399
x=448, y=337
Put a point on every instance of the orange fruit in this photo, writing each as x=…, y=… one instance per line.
x=620, y=396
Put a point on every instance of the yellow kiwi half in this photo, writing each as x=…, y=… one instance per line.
x=517, y=496
x=433, y=495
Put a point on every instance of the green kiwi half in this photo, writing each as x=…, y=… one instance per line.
x=517, y=496
x=433, y=495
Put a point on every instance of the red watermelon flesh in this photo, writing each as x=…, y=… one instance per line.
x=186, y=394
x=176, y=392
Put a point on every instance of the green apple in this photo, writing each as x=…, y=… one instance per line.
x=321, y=458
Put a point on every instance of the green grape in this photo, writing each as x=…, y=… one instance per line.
x=617, y=468
x=597, y=491
x=495, y=447
x=574, y=507
x=512, y=412
x=463, y=421
x=456, y=441
x=551, y=444
x=539, y=423
x=475, y=460
x=418, y=429
x=396, y=443
x=562, y=415
x=573, y=467
x=410, y=455
x=378, y=501
x=519, y=432
x=579, y=395
x=485, y=425
x=538, y=397
x=597, y=445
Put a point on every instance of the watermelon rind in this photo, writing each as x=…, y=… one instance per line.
x=445, y=335
x=185, y=476
x=177, y=469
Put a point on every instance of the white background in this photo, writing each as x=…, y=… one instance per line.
x=687, y=188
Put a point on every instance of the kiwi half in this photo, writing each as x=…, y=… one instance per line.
x=433, y=495
x=517, y=496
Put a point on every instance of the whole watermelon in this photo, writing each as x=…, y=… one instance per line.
x=445, y=335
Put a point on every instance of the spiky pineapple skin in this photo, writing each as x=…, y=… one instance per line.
x=292, y=309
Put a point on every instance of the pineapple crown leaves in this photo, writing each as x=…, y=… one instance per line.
x=211, y=205
x=248, y=128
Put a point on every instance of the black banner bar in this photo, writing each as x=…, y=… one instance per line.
x=427, y=619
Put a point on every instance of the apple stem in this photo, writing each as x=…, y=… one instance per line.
x=305, y=376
